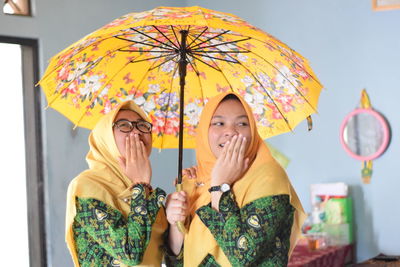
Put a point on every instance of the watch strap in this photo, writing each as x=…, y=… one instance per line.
x=214, y=188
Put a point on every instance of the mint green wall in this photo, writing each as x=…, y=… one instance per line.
x=57, y=24
x=350, y=48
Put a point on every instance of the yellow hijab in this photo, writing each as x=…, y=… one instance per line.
x=265, y=177
x=105, y=181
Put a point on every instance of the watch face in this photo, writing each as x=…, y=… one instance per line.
x=225, y=187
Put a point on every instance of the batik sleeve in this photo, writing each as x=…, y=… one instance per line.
x=256, y=234
x=125, y=239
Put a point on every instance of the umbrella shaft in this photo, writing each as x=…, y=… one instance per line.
x=182, y=75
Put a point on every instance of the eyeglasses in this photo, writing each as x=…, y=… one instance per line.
x=126, y=126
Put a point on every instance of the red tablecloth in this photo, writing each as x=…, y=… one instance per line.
x=336, y=256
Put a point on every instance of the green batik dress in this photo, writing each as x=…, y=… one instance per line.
x=104, y=237
x=257, y=234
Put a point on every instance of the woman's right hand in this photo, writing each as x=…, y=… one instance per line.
x=176, y=207
x=231, y=163
x=136, y=163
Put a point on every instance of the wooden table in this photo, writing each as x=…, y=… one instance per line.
x=381, y=261
x=334, y=256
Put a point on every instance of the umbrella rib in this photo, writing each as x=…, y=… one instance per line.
x=198, y=36
x=100, y=90
x=87, y=68
x=141, y=51
x=273, y=101
x=137, y=42
x=168, y=106
x=147, y=59
x=288, y=57
x=218, y=69
x=63, y=62
x=154, y=39
x=270, y=97
x=266, y=91
x=224, y=43
x=284, y=53
x=162, y=63
x=176, y=37
x=105, y=85
x=209, y=39
x=195, y=68
x=205, y=63
x=165, y=36
x=145, y=74
x=298, y=65
x=214, y=58
x=223, y=74
x=70, y=82
x=221, y=52
x=298, y=91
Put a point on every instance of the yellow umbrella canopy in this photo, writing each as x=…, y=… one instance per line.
x=152, y=56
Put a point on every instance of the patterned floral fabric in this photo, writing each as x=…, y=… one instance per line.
x=256, y=235
x=104, y=237
x=135, y=57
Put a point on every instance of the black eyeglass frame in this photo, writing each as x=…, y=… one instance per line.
x=133, y=125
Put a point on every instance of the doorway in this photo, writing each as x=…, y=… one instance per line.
x=21, y=192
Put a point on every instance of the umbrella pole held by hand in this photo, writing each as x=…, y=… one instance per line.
x=180, y=225
x=182, y=75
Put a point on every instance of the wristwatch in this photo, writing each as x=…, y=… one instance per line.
x=223, y=188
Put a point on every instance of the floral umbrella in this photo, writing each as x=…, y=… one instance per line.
x=170, y=58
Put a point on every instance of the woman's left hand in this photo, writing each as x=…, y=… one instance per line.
x=190, y=172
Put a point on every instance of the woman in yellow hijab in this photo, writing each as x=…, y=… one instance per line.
x=114, y=217
x=242, y=209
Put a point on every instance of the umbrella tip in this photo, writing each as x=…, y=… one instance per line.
x=309, y=123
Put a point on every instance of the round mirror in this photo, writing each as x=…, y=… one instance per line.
x=364, y=134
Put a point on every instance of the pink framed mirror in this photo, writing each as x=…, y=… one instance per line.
x=364, y=134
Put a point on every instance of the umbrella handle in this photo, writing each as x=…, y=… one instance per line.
x=180, y=225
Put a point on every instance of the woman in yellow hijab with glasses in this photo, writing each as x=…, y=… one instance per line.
x=114, y=217
x=242, y=209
